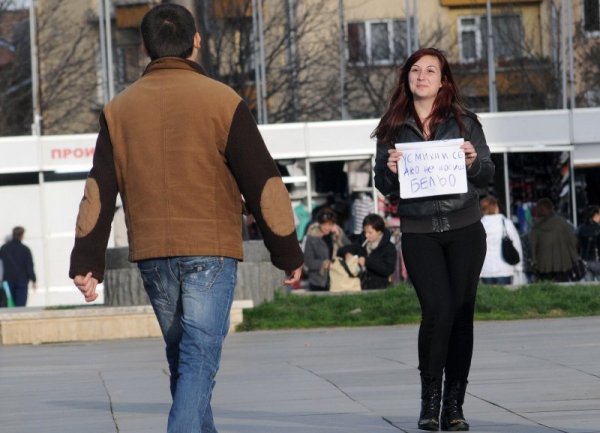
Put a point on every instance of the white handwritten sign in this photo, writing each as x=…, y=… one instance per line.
x=430, y=168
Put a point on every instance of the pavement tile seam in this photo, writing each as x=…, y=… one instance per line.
x=558, y=393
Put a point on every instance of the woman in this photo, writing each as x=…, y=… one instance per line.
x=443, y=240
x=495, y=269
x=323, y=239
x=553, y=244
x=588, y=234
x=376, y=253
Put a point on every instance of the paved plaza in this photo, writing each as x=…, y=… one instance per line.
x=537, y=376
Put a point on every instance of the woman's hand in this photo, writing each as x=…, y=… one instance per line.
x=393, y=158
x=361, y=261
x=470, y=153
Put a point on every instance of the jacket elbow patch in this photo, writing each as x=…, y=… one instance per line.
x=89, y=209
x=276, y=208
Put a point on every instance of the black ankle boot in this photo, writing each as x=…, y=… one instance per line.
x=431, y=394
x=452, y=418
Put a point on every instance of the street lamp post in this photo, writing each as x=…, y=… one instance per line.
x=493, y=98
x=342, y=48
x=36, y=126
x=259, y=61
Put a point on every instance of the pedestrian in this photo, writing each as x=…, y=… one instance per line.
x=588, y=234
x=375, y=251
x=553, y=244
x=321, y=244
x=3, y=295
x=495, y=269
x=182, y=150
x=17, y=262
x=443, y=240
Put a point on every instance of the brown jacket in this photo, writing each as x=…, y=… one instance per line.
x=181, y=149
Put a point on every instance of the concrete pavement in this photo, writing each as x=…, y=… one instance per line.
x=538, y=376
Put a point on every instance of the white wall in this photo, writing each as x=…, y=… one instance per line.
x=48, y=211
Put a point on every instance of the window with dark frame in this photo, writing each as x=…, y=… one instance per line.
x=508, y=37
x=378, y=42
x=591, y=15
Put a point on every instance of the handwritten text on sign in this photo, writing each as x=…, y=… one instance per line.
x=432, y=168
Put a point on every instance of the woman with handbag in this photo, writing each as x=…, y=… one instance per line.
x=443, y=240
x=496, y=268
x=588, y=234
x=323, y=239
x=375, y=251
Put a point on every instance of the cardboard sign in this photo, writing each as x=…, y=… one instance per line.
x=430, y=168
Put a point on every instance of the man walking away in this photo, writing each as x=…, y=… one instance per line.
x=181, y=150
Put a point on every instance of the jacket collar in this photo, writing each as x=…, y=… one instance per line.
x=174, y=63
x=386, y=237
x=410, y=122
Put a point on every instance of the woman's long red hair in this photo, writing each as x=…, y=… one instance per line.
x=401, y=104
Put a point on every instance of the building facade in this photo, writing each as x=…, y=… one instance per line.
x=323, y=61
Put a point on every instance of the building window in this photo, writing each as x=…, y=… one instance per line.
x=591, y=15
x=469, y=42
x=127, y=64
x=473, y=33
x=380, y=42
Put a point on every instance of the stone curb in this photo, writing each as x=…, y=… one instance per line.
x=37, y=326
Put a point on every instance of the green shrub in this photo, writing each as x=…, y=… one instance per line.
x=399, y=304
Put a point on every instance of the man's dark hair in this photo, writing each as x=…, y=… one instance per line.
x=168, y=31
x=374, y=220
x=544, y=207
x=590, y=212
x=18, y=233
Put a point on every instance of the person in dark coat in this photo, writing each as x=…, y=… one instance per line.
x=18, y=267
x=588, y=234
x=375, y=251
x=553, y=244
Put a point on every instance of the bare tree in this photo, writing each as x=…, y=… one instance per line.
x=587, y=65
x=67, y=52
x=299, y=70
x=523, y=73
x=15, y=70
x=66, y=40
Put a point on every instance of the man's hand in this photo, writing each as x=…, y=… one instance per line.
x=87, y=286
x=293, y=277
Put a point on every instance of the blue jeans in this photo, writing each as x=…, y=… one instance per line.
x=18, y=290
x=192, y=298
x=505, y=281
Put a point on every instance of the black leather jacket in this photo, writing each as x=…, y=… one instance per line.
x=445, y=212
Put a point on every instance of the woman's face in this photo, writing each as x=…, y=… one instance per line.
x=371, y=234
x=425, y=78
x=326, y=227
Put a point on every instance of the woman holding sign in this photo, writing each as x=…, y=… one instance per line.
x=443, y=240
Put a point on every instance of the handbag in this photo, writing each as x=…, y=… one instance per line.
x=344, y=276
x=509, y=253
x=6, y=299
x=579, y=270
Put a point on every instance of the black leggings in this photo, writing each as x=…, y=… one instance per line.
x=444, y=269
